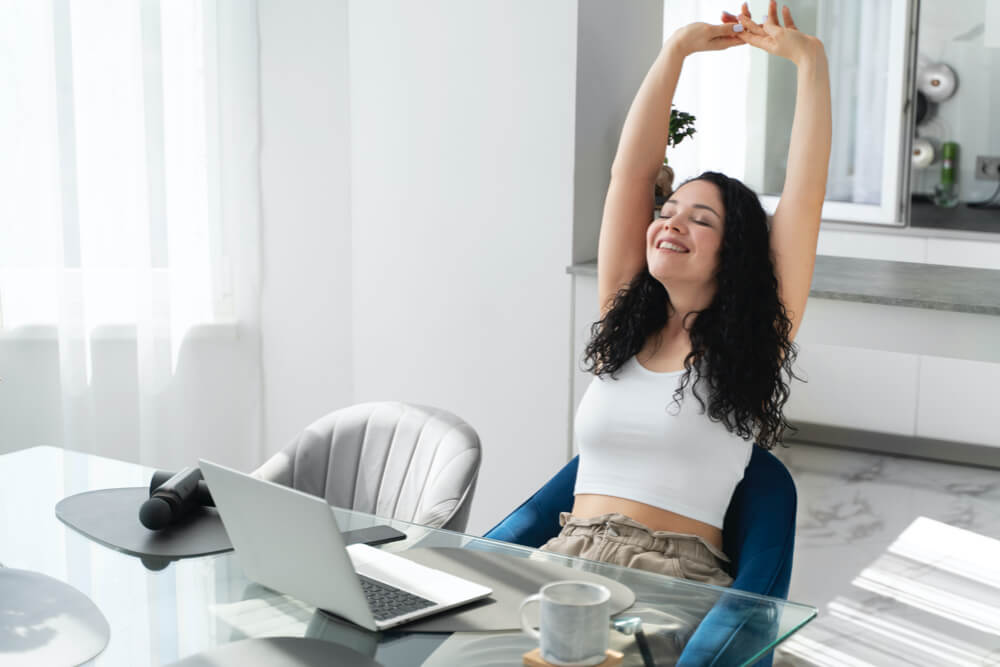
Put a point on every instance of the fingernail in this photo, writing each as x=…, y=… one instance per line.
x=738, y=27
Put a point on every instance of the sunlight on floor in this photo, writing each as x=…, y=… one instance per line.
x=931, y=598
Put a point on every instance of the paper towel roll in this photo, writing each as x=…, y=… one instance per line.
x=937, y=82
x=923, y=153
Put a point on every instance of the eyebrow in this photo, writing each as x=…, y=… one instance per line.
x=704, y=206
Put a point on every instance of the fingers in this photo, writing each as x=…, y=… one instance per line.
x=727, y=17
x=786, y=14
x=761, y=43
x=772, y=13
x=754, y=34
x=724, y=30
x=751, y=28
x=723, y=43
x=724, y=36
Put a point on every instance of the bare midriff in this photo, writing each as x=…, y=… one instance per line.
x=589, y=505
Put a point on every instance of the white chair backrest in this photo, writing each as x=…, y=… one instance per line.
x=396, y=460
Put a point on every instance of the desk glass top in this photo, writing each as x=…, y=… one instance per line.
x=159, y=616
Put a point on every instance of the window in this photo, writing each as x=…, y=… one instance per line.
x=110, y=164
x=868, y=47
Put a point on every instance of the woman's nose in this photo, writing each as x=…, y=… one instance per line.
x=673, y=223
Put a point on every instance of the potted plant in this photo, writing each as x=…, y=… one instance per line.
x=681, y=127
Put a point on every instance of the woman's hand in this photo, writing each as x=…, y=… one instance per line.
x=787, y=42
x=696, y=37
x=733, y=18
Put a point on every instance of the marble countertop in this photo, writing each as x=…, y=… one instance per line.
x=889, y=283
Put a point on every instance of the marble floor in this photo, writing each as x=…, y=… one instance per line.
x=900, y=556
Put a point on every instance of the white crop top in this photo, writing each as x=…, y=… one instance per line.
x=635, y=443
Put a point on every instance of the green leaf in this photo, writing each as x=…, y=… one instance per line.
x=681, y=127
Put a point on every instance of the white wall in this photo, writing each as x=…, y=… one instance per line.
x=462, y=173
x=615, y=46
x=305, y=214
x=452, y=240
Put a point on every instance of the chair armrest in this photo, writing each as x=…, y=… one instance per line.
x=734, y=627
x=536, y=521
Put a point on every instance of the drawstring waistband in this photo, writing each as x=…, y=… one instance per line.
x=619, y=525
x=617, y=539
x=609, y=529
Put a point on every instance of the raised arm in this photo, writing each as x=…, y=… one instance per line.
x=628, y=206
x=795, y=225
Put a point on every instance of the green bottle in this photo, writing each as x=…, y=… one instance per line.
x=946, y=192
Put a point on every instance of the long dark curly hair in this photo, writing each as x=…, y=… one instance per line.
x=740, y=346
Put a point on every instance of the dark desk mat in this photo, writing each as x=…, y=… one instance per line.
x=511, y=578
x=277, y=652
x=111, y=517
x=44, y=621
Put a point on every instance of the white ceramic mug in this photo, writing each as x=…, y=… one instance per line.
x=573, y=620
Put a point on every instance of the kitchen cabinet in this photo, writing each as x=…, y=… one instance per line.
x=872, y=246
x=857, y=388
x=958, y=400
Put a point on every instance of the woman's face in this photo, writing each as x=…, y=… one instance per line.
x=682, y=245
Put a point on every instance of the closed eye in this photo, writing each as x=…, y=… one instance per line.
x=667, y=216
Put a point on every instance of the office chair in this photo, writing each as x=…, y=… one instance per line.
x=758, y=535
x=396, y=460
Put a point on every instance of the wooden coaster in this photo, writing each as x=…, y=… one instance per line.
x=534, y=659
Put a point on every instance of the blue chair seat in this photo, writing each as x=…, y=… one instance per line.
x=758, y=535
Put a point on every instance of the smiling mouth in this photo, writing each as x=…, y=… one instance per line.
x=670, y=247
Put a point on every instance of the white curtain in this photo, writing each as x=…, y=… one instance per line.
x=859, y=66
x=715, y=106
x=129, y=224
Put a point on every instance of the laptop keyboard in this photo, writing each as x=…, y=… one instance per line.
x=388, y=601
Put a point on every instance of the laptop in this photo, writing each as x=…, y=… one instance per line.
x=289, y=541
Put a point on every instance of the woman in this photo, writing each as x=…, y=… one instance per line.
x=704, y=301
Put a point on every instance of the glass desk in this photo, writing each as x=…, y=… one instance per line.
x=158, y=616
